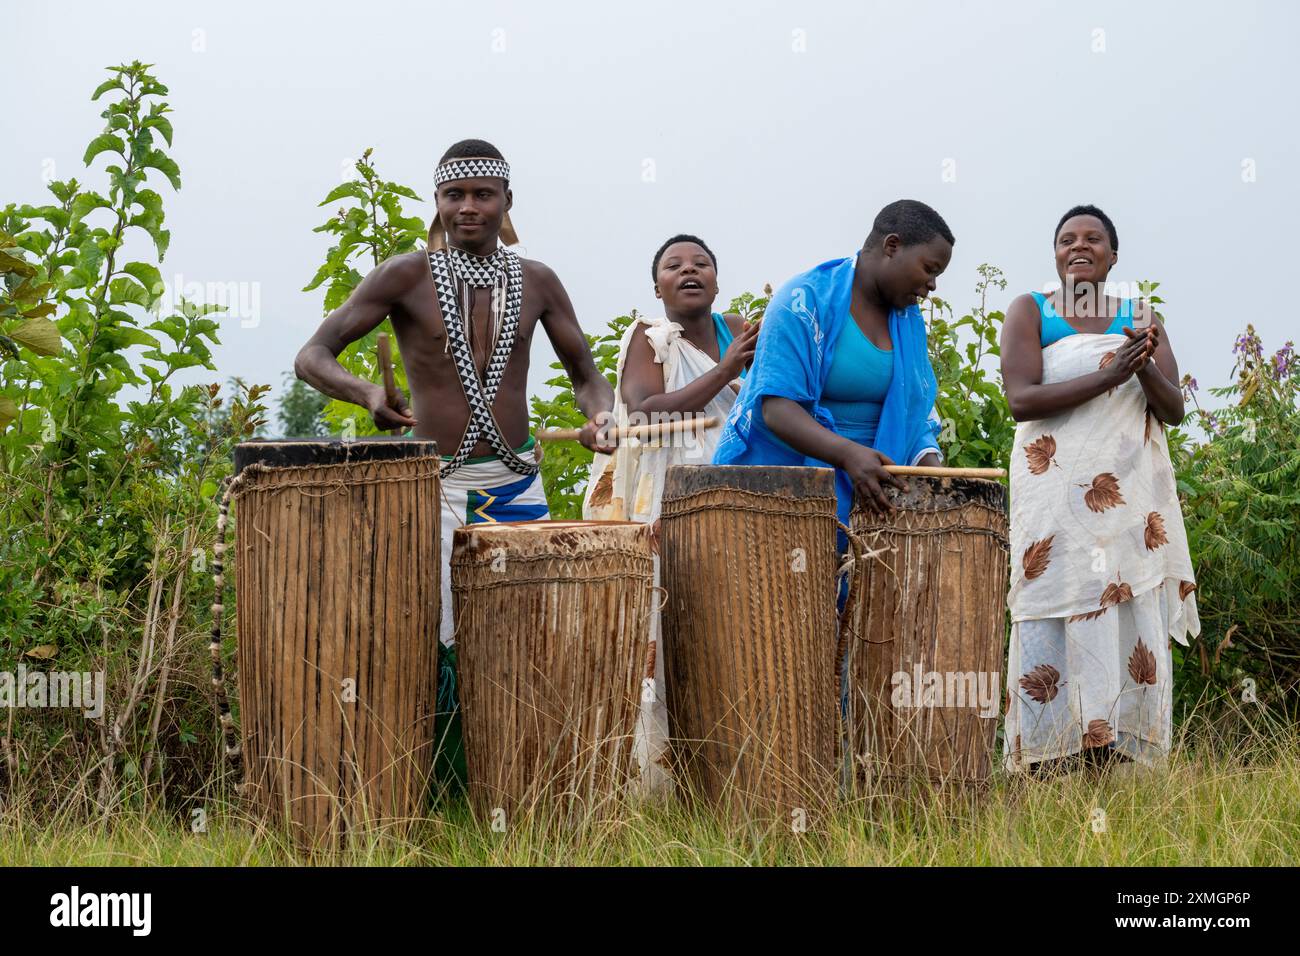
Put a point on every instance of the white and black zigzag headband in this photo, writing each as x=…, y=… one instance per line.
x=471, y=168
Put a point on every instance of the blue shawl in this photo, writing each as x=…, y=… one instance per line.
x=793, y=358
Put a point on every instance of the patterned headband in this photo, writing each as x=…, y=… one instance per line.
x=471, y=168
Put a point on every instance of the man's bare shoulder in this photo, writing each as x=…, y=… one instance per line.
x=544, y=283
x=393, y=279
x=405, y=270
x=539, y=272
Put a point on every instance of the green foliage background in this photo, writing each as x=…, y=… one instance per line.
x=369, y=227
x=105, y=502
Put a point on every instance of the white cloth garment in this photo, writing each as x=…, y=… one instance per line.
x=481, y=491
x=1101, y=578
x=628, y=486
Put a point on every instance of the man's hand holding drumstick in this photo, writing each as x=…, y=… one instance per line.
x=388, y=407
x=594, y=434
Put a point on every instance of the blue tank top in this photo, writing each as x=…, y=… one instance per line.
x=856, y=385
x=724, y=334
x=1052, y=328
x=724, y=338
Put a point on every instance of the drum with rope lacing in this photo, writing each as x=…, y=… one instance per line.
x=336, y=565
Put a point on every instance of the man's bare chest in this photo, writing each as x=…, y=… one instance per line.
x=423, y=334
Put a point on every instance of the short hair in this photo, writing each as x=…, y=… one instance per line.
x=1089, y=211
x=472, y=149
x=912, y=221
x=682, y=237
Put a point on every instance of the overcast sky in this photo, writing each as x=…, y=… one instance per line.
x=774, y=130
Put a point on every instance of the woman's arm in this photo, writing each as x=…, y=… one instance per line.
x=791, y=423
x=1160, y=375
x=642, y=386
x=1022, y=368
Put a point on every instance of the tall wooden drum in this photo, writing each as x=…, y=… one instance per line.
x=337, y=583
x=924, y=628
x=552, y=637
x=749, y=566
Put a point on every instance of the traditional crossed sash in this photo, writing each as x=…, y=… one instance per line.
x=451, y=268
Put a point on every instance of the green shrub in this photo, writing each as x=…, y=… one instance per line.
x=106, y=503
x=567, y=465
x=369, y=225
x=977, y=427
x=1241, y=502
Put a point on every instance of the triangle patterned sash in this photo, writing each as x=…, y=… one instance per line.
x=480, y=393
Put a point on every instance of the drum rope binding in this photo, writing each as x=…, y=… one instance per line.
x=231, y=739
x=675, y=507
x=861, y=550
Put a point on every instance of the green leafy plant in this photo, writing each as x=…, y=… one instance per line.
x=566, y=466
x=1241, y=504
x=107, y=469
x=751, y=307
x=369, y=225
x=977, y=428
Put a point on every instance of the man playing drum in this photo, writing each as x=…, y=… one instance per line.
x=464, y=312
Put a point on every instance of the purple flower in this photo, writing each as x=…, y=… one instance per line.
x=1284, y=360
x=1189, y=386
x=1211, y=423
x=1248, y=345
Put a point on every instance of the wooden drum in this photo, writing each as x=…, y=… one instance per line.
x=337, y=582
x=552, y=637
x=924, y=627
x=749, y=565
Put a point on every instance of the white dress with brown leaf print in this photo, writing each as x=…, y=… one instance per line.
x=1101, y=578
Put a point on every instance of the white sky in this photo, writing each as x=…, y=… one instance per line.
x=776, y=131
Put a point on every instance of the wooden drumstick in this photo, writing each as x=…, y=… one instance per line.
x=390, y=382
x=636, y=431
x=926, y=471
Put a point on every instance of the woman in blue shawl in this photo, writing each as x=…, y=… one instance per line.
x=841, y=376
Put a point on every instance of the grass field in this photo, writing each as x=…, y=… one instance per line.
x=1214, y=806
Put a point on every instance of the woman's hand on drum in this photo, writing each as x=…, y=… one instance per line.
x=593, y=434
x=741, y=351
x=389, y=414
x=866, y=469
